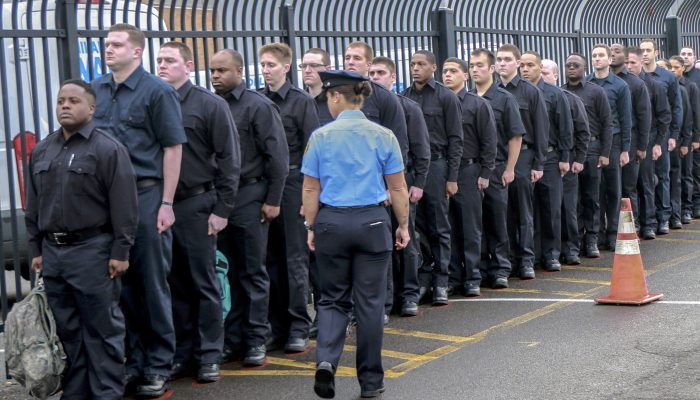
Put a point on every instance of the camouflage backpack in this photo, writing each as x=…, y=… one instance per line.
x=35, y=356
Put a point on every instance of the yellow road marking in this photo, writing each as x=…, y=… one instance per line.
x=345, y=372
x=678, y=240
x=585, y=268
x=531, y=291
x=427, y=335
x=573, y=280
x=389, y=353
x=402, y=369
x=530, y=344
x=290, y=363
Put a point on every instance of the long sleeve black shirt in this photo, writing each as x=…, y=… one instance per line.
x=84, y=182
x=442, y=113
x=598, y=110
x=671, y=87
x=620, y=103
x=324, y=115
x=560, y=124
x=480, y=135
x=418, y=141
x=641, y=110
x=264, y=150
x=687, y=125
x=582, y=132
x=299, y=118
x=384, y=108
x=507, y=117
x=660, y=109
x=212, y=152
x=694, y=97
x=533, y=112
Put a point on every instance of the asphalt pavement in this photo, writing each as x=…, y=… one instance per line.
x=539, y=339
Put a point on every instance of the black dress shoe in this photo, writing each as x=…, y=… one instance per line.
x=526, y=273
x=255, y=356
x=592, y=250
x=676, y=224
x=472, y=290
x=409, y=309
x=231, y=353
x=324, y=381
x=571, y=260
x=131, y=381
x=273, y=344
x=439, y=296
x=180, y=370
x=500, y=283
x=208, y=373
x=552, y=266
x=663, y=228
x=686, y=218
x=152, y=386
x=296, y=345
x=648, y=234
x=422, y=293
x=370, y=394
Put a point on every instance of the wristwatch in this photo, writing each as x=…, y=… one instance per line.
x=309, y=227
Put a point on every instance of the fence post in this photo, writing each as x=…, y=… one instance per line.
x=673, y=35
x=287, y=23
x=578, y=42
x=67, y=44
x=445, y=43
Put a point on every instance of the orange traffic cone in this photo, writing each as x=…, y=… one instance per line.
x=628, y=284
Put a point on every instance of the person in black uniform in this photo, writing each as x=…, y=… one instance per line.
x=548, y=190
x=681, y=160
x=314, y=61
x=570, y=241
x=495, y=261
x=81, y=222
x=351, y=233
x=264, y=168
x=442, y=112
x=529, y=170
x=204, y=197
x=692, y=73
x=621, y=112
x=660, y=120
x=287, y=253
x=641, y=125
x=143, y=113
x=404, y=285
x=476, y=167
x=597, y=156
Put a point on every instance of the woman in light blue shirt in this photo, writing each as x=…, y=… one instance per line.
x=348, y=166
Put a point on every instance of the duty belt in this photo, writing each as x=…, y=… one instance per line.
x=193, y=191
x=69, y=238
x=551, y=149
x=436, y=156
x=249, y=181
x=524, y=146
x=146, y=182
x=469, y=161
x=293, y=166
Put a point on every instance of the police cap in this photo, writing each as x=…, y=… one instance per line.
x=339, y=78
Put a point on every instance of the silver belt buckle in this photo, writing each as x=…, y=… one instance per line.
x=57, y=237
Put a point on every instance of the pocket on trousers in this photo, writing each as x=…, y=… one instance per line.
x=377, y=236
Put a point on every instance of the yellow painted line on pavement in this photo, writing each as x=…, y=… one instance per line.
x=341, y=372
x=427, y=335
x=408, y=366
x=290, y=363
x=678, y=240
x=584, y=268
x=531, y=291
x=389, y=353
x=573, y=280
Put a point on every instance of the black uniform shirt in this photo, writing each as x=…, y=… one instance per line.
x=620, y=103
x=384, y=108
x=670, y=85
x=212, y=152
x=533, y=112
x=582, y=132
x=598, y=109
x=479, y=128
x=299, y=117
x=507, y=117
x=560, y=124
x=687, y=123
x=694, y=97
x=442, y=114
x=264, y=151
x=641, y=110
x=324, y=115
x=693, y=75
x=660, y=109
x=143, y=113
x=85, y=182
x=418, y=141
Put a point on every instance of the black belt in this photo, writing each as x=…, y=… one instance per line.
x=469, y=161
x=146, y=182
x=436, y=156
x=351, y=207
x=69, y=238
x=551, y=149
x=294, y=166
x=193, y=191
x=525, y=146
x=249, y=181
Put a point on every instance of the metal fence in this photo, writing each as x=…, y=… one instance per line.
x=43, y=42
